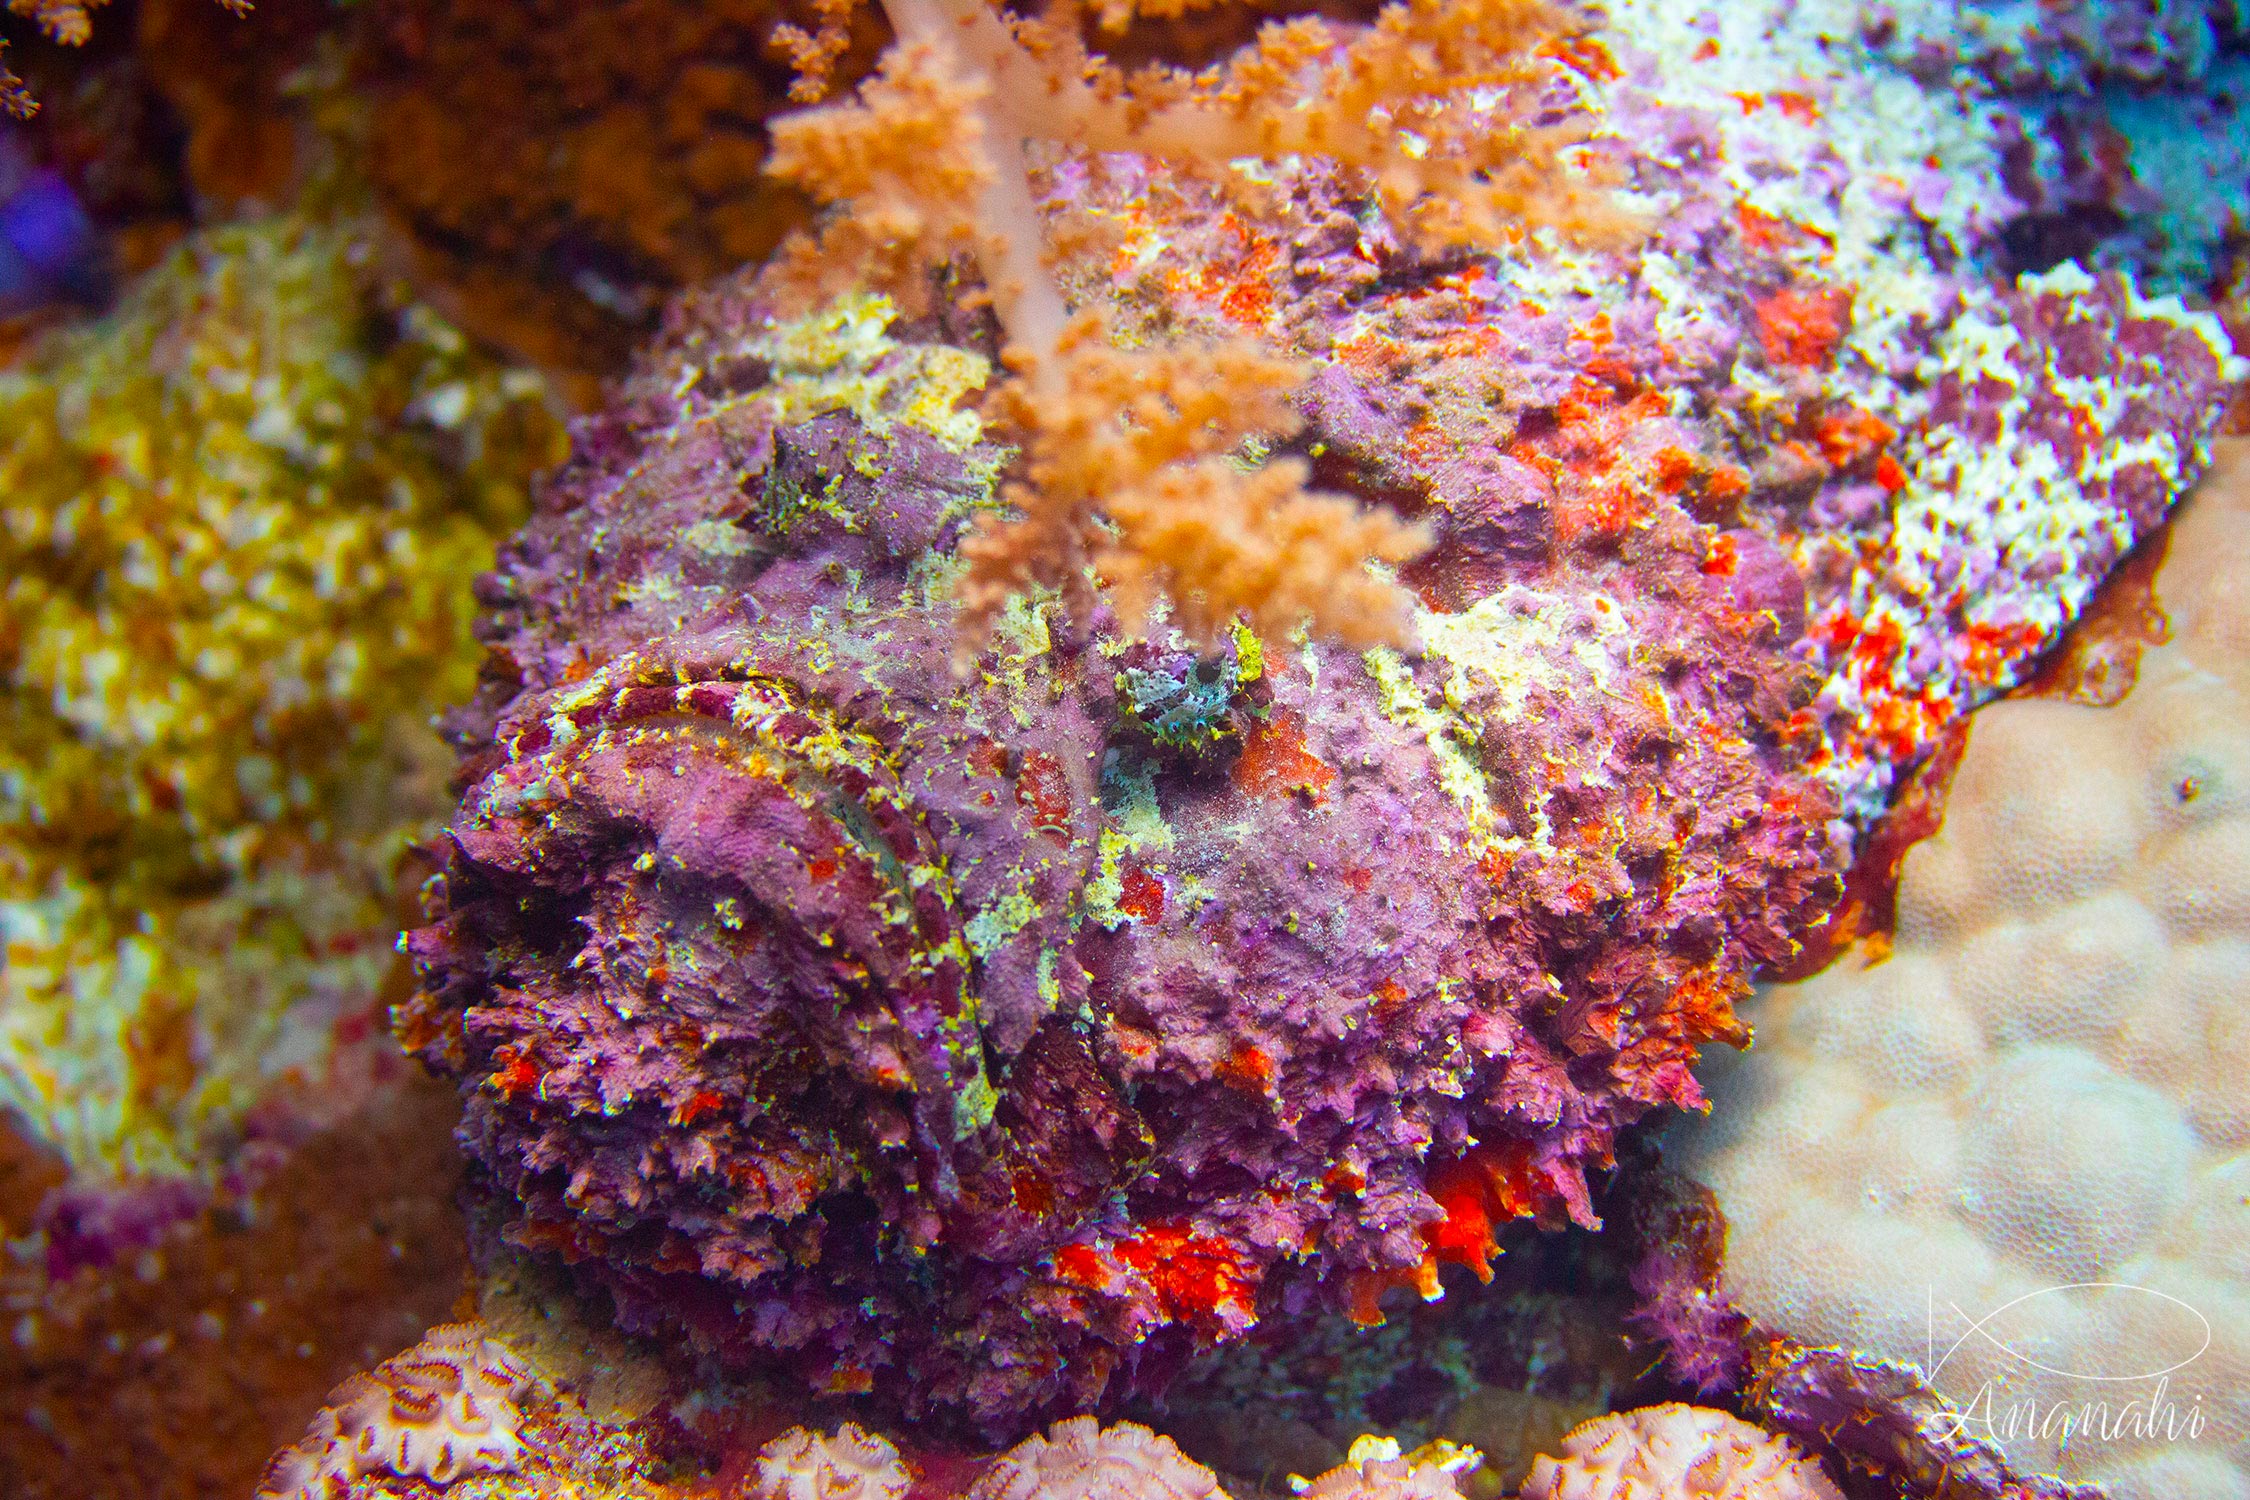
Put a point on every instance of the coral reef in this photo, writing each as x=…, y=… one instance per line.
x=849, y=1464
x=1676, y=1452
x=2010, y=1156
x=1671, y=423
x=991, y=1041
x=441, y=1410
x=240, y=515
x=1865, y=1415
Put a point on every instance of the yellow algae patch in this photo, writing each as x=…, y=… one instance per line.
x=239, y=517
x=841, y=359
x=998, y=921
x=1495, y=655
x=1510, y=644
x=1136, y=826
x=1450, y=737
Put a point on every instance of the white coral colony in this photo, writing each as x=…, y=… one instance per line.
x=1375, y=1470
x=2017, y=1154
x=1675, y=1452
x=443, y=1409
x=1078, y=1459
x=854, y=1464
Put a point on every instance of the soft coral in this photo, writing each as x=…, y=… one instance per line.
x=1432, y=104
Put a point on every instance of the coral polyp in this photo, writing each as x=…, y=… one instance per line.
x=441, y=1410
x=849, y=1464
x=1676, y=1452
x=1079, y=1459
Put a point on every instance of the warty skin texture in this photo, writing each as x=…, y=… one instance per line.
x=829, y=1006
x=969, y=1041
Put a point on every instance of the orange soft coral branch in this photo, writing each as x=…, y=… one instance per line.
x=15, y=99
x=1426, y=101
x=1094, y=420
x=814, y=54
x=1142, y=436
x=69, y=22
x=920, y=176
x=910, y=160
x=1217, y=541
x=1098, y=415
x=1431, y=102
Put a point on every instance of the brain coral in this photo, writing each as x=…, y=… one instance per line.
x=236, y=520
x=1079, y=1459
x=850, y=1464
x=1676, y=1452
x=443, y=1409
x=2013, y=1154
